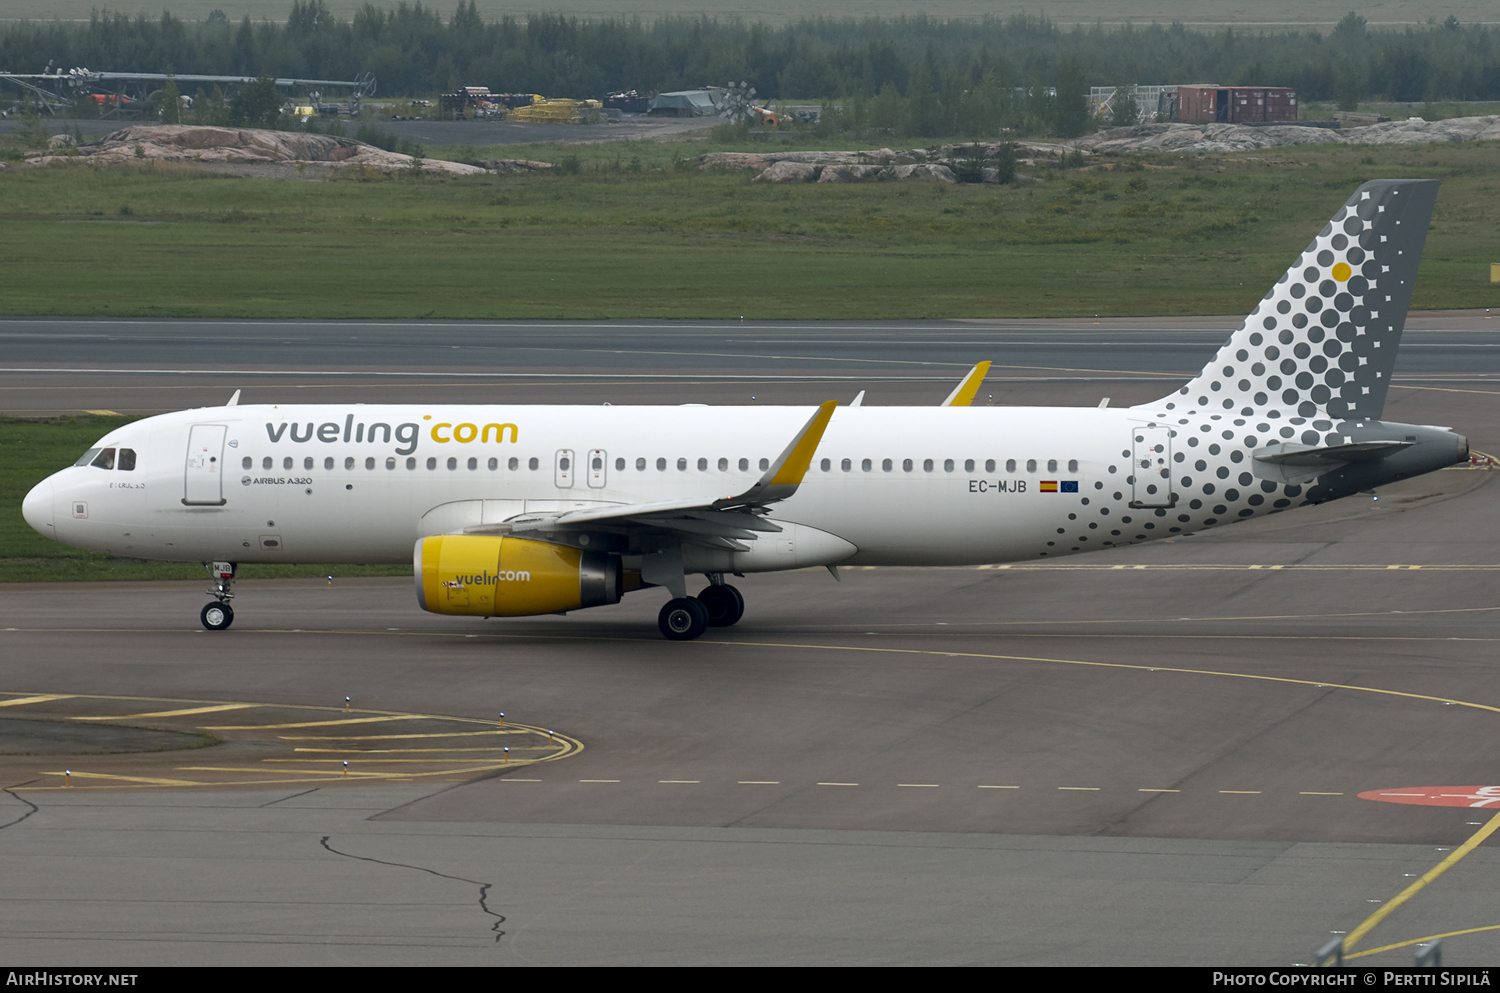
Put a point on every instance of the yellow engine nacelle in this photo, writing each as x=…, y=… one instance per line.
x=510, y=577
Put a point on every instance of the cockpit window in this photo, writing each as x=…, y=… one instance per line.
x=127, y=459
x=87, y=457
x=105, y=459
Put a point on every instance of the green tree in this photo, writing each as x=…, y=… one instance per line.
x=257, y=104
x=925, y=107
x=171, y=103
x=1071, y=114
x=888, y=111
x=1125, y=110
x=209, y=108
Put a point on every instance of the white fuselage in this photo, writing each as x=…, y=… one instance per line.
x=901, y=485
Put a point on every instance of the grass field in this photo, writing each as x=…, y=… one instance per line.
x=33, y=450
x=1152, y=235
x=1247, y=13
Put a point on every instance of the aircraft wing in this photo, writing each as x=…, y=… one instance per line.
x=720, y=521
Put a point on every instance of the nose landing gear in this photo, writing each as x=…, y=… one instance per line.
x=216, y=616
x=219, y=615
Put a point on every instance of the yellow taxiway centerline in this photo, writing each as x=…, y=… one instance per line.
x=170, y=713
x=320, y=724
x=127, y=779
x=1419, y=941
x=1390, y=905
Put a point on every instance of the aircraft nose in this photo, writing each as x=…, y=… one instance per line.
x=37, y=508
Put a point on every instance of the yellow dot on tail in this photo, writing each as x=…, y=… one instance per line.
x=1342, y=272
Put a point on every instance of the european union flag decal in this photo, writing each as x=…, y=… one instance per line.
x=1067, y=486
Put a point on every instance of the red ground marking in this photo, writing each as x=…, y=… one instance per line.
x=1439, y=796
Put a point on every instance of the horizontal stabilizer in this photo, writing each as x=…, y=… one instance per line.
x=1287, y=453
x=1294, y=464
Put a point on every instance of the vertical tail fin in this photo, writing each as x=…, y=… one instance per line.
x=1323, y=342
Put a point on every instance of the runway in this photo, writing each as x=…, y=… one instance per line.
x=1153, y=755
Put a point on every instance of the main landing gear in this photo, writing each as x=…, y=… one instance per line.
x=683, y=619
x=219, y=615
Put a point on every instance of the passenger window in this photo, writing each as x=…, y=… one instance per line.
x=328, y=462
x=989, y=465
x=744, y=465
x=661, y=465
x=765, y=464
x=307, y=463
x=266, y=462
x=348, y=461
x=866, y=465
x=87, y=457
x=1010, y=465
x=411, y=463
x=286, y=463
x=127, y=460
x=452, y=464
x=703, y=465
x=473, y=463
x=494, y=464
x=620, y=464
x=885, y=465
x=390, y=462
x=846, y=465
x=533, y=463
x=1052, y=465
x=927, y=465
x=247, y=462
x=106, y=459
x=826, y=465
x=682, y=465
x=1072, y=465
x=723, y=465
x=370, y=462
x=1031, y=465
x=906, y=465
x=948, y=465
x=969, y=465
x=640, y=465
x=514, y=463
x=432, y=463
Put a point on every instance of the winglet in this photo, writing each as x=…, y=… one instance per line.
x=963, y=393
x=234, y=401
x=785, y=474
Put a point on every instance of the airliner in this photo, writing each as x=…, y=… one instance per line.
x=508, y=510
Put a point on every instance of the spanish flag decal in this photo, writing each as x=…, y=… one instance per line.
x=1049, y=486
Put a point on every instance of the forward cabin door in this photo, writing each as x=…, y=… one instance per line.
x=1151, y=470
x=203, y=484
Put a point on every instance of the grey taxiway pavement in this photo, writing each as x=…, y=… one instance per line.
x=1152, y=755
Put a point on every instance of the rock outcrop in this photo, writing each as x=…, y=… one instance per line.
x=252, y=146
x=1240, y=138
x=918, y=164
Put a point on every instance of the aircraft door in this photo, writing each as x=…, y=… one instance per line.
x=598, y=468
x=1151, y=469
x=563, y=468
x=203, y=484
